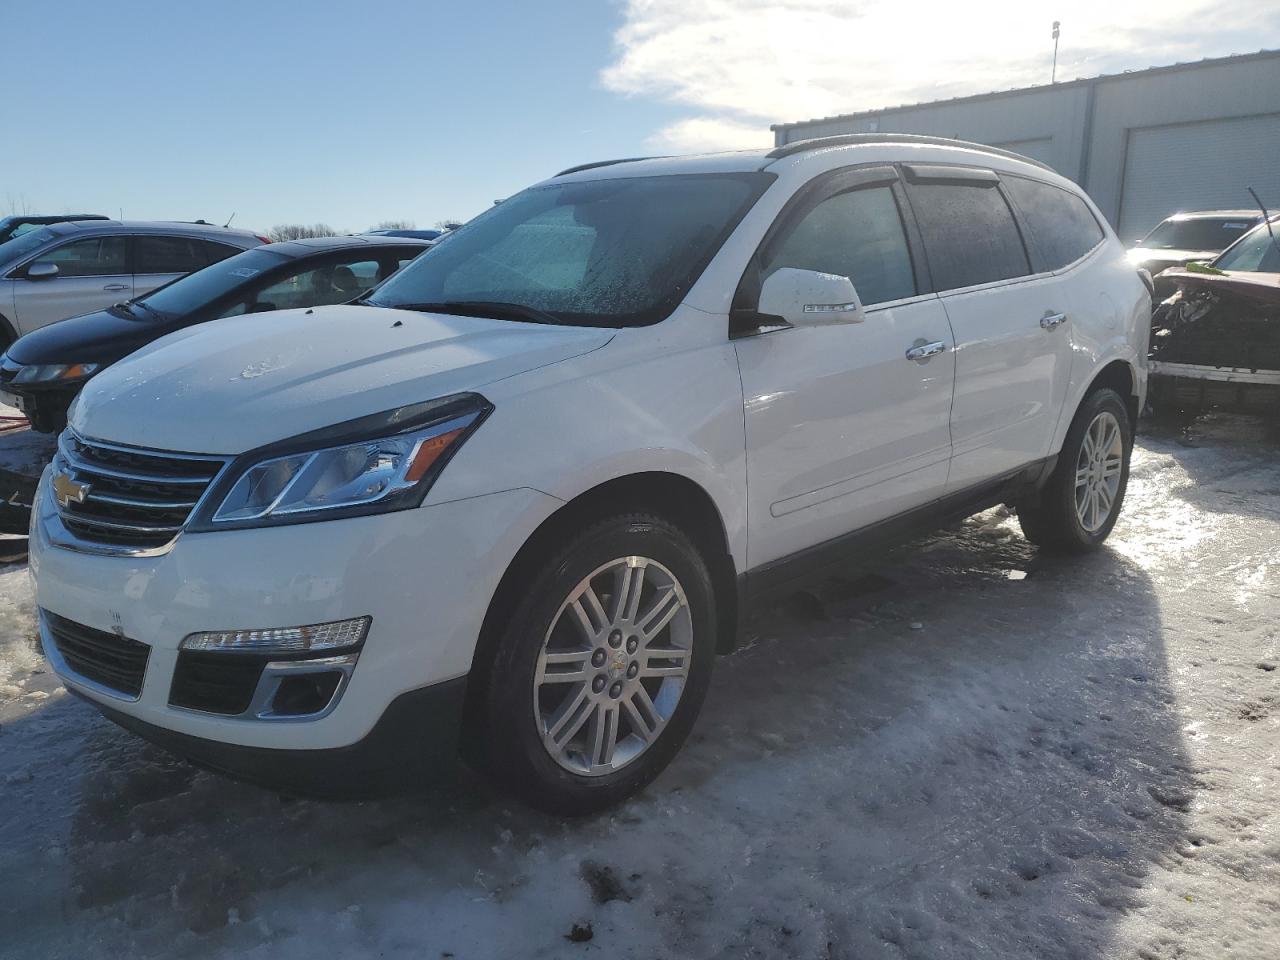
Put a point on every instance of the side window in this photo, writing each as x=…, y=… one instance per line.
x=331, y=283
x=857, y=234
x=215, y=252
x=969, y=234
x=1061, y=224
x=168, y=255
x=91, y=257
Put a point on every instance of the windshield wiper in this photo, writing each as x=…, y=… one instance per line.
x=498, y=309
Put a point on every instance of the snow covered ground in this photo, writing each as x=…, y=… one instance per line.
x=966, y=751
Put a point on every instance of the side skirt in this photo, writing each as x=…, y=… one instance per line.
x=768, y=581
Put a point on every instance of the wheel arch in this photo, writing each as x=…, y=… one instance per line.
x=8, y=332
x=1120, y=376
x=671, y=495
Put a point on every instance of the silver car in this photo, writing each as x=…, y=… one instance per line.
x=65, y=269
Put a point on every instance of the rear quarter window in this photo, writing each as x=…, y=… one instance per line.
x=969, y=234
x=1062, y=227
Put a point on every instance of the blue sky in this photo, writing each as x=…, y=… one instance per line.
x=335, y=111
x=351, y=113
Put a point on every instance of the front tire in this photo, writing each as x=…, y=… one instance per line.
x=600, y=671
x=1079, y=506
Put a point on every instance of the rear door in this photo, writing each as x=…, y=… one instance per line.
x=92, y=274
x=159, y=258
x=843, y=428
x=1011, y=322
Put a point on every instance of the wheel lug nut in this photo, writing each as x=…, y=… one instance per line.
x=597, y=658
x=615, y=691
x=633, y=670
x=632, y=645
x=597, y=684
x=615, y=638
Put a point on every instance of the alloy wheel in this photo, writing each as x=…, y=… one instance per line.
x=1098, y=467
x=613, y=666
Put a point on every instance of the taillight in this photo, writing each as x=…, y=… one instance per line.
x=262, y=238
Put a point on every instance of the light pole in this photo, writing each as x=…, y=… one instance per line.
x=1053, y=76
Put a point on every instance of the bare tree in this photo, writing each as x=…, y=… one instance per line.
x=17, y=204
x=300, y=231
x=448, y=224
x=394, y=225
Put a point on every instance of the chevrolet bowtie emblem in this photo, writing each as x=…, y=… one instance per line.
x=67, y=491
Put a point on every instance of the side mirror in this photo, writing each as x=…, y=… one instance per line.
x=42, y=271
x=807, y=298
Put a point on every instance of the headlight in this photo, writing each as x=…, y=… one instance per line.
x=49, y=372
x=388, y=462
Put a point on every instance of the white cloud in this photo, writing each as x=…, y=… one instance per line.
x=743, y=64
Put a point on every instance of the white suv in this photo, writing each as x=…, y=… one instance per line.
x=513, y=502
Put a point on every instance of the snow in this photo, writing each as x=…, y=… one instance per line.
x=966, y=751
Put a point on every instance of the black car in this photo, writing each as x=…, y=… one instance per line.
x=43, y=371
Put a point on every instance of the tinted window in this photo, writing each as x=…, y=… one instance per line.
x=1061, y=225
x=1256, y=252
x=611, y=252
x=204, y=286
x=969, y=234
x=858, y=235
x=215, y=252
x=168, y=255
x=93, y=257
x=1200, y=233
x=314, y=287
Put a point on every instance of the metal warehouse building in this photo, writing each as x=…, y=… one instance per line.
x=1144, y=144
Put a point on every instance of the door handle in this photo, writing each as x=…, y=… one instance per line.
x=1051, y=320
x=116, y=286
x=923, y=351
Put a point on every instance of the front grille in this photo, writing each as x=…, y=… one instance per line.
x=134, y=498
x=109, y=659
x=215, y=682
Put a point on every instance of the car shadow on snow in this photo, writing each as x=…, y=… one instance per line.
x=965, y=750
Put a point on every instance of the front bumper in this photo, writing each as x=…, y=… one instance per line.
x=412, y=745
x=425, y=576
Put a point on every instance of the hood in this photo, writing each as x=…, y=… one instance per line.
x=102, y=337
x=230, y=386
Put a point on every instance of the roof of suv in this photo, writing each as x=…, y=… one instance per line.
x=763, y=157
x=148, y=226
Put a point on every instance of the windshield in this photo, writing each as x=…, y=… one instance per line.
x=617, y=252
x=23, y=244
x=1202, y=233
x=1256, y=252
x=204, y=286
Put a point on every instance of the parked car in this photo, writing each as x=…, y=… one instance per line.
x=414, y=234
x=1216, y=339
x=65, y=269
x=513, y=500
x=43, y=371
x=1184, y=237
x=19, y=224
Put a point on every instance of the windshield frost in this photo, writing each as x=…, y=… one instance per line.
x=616, y=252
x=197, y=289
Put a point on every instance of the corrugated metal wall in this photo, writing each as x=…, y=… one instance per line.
x=1142, y=141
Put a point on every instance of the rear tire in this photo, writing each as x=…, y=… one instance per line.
x=1078, y=506
x=600, y=670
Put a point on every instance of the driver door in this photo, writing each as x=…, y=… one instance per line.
x=92, y=274
x=843, y=429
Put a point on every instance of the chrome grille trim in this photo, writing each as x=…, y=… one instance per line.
x=138, y=500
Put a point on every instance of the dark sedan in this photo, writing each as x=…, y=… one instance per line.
x=43, y=371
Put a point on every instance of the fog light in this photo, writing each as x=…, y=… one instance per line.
x=338, y=634
x=306, y=694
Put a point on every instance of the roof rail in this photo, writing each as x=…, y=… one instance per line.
x=817, y=143
x=600, y=163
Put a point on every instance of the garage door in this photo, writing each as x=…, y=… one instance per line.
x=1039, y=149
x=1198, y=166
